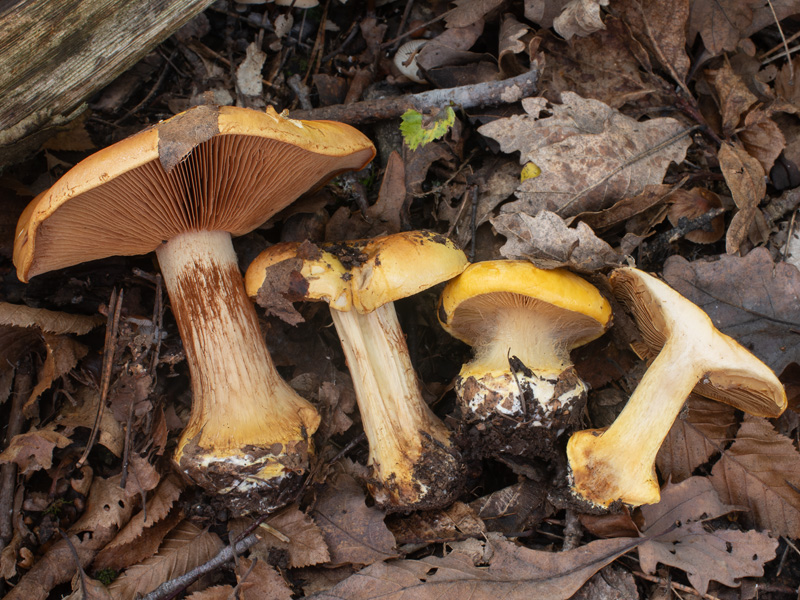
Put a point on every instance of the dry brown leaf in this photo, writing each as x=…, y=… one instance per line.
x=50, y=321
x=131, y=544
x=63, y=354
x=513, y=573
x=590, y=155
x=186, y=547
x=721, y=23
x=33, y=450
x=142, y=476
x=745, y=178
x=722, y=555
x=700, y=432
x=16, y=342
x=762, y=139
x=260, y=581
x=335, y=402
x=548, y=242
x=306, y=545
x=451, y=47
x=544, y=12
x=761, y=471
x=84, y=413
x=456, y=522
x=218, y=592
x=354, y=532
x=653, y=195
x=514, y=508
x=579, y=17
x=510, y=45
x=786, y=83
x=614, y=75
x=751, y=299
x=733, y=96
x=93, y=590
x=466, y=12
x=661, y=26
x=610, y=583
x=108, y=506
x=388, y=207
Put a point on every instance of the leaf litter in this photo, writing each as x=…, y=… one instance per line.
x=642, y=108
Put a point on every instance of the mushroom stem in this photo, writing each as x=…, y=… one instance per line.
x=619, y=462
x=411, y=453
x=248, y=428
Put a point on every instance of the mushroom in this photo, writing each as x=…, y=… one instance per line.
x=414, y=463
x=688, y=354
x=521, y=391
x=405, y=59
x=182, y=188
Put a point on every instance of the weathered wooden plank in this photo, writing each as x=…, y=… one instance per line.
x=54, y=54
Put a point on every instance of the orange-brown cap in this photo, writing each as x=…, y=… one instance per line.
x=209, y=168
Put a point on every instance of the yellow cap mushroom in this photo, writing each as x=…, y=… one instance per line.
x=688, y=353
x=414, y=462
x=520, y=392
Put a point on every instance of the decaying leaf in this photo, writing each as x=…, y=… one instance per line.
x=186, y=547
x=699, y=433
x=590, y=155
x=259, y=581
x=651, y=196
x=762, y=139
x=547, y=241
x=733, y=96
x=610, y=583
x=456, y=522
x=466, y=12
x=721, y=23
x=543, y=12
x=745, y=178
x=50, y=321
x=15, y=342
x=513, y=573
x=84, y=413
x=354, y=532
x=86, y=588
x=63, y=353
x=108, y=507
x=761, y=471
x=305, y=546
x=33, y=450
x=752, y=299
x=723, y=555
x=579, y=17
x=514, y=508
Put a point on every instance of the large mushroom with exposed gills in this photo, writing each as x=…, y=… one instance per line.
x=182, y=188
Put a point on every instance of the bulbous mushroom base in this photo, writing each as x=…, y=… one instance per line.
x=253, y=480
x=435, y=481
x=519, y=413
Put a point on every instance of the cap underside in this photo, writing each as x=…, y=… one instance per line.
x=229, y=183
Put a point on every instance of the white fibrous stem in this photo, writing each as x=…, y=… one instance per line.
x=243, y=412
x=619, y=463
x=399, y=425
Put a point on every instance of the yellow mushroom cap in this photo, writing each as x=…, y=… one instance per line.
x=209, y=168
x=469, y=301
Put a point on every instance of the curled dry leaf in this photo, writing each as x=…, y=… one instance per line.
x=651, y=196
x=33, y=450
x=50, y=321
x=86, y=588
x=260, y=581
x=354, y=532
x=515, y=508
x=513, y=573
x=456, y=522
x=590, y=155
x=186, y=547
x=761, y=471
x=63, y=354
x=701, y=431
x=579, y=17
x=548, y=242
x=762, y=138
x=732, y=95
x=750, y=299
x=745, y=178
x=722, y=555
x=84, y=413
x=544, y=12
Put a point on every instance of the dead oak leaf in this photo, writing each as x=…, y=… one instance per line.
x=761, y=471
x=721, y=23
x=33, y=450
x=762, y=139
x=590, y=155
x=723, y=555
x=579, y=17
x=547, y=241
x=733, y=96
x=354, y=532
x=695, y=437
x=186, y=547
x=751, y=299
x=513, y=573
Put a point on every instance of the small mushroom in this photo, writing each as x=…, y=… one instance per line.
x=414, y=462
x=688, y=354
x=520, y=392
x=182, y=188
x=405, y=59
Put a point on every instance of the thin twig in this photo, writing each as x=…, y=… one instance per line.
x=174, y=586
x=112, y=331
x=466, y=96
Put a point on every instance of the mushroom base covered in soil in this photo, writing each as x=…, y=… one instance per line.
x=520, y=412
x=248, y=437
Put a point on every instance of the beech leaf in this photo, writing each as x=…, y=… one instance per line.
x=761, y=471
x=745, y=178
x=723, y=555
x=260, y=581
x=50, y=321
x=590, y=154
x=513, y=573
x=354, y=532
